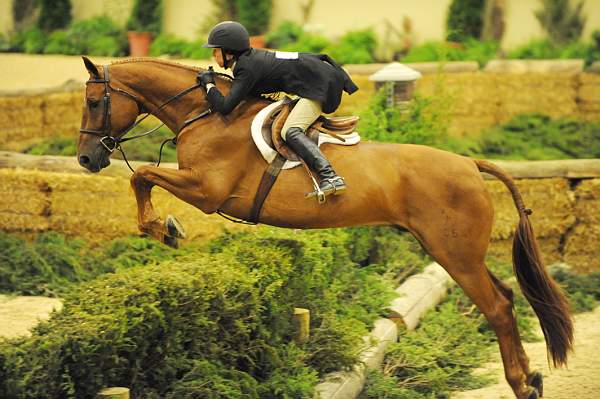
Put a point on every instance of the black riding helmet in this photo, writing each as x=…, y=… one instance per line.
x=229, y=36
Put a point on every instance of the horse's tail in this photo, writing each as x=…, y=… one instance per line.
x=543, y=294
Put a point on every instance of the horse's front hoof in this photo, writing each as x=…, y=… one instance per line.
x=171, y=242
x=537, y=381
x=174, y=228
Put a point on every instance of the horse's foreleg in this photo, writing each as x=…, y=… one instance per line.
x=182, y=183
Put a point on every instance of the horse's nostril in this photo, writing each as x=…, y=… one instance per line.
x=84, y=159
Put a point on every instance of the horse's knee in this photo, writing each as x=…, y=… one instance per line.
x=140, y=176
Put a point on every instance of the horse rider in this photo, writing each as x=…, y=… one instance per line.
x=315, y=78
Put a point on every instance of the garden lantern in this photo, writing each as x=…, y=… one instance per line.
x=398, y=81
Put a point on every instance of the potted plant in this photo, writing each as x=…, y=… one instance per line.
x=144, y=23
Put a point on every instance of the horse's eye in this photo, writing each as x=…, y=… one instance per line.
x=93, y=103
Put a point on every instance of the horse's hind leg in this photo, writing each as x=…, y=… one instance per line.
x=535, y=378
x=458, y=241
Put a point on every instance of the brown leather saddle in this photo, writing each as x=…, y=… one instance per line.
x=271, y=133
x=333, y=126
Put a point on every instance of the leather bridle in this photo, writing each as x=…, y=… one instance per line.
x=111, y=142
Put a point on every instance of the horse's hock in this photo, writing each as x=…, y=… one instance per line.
x=564, y=196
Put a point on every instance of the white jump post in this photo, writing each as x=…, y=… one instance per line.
x=114, y=393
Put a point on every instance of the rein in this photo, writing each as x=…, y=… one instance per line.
x=110, y=142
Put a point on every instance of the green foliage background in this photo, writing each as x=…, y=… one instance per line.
x=213, y=321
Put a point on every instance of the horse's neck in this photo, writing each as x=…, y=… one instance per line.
x=155, y=83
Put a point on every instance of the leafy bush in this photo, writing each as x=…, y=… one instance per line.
x=470, y=50
x=464, y=20
x=94, y=36
x=31, y=41
x=54, y=14
x=355, y=47
x=146, y=16
x=55, y=146
x=169, y=44
x=254, y=15
x=287, y=32
x=436, y=358
x=424, y=122
x=537, y=137
x=308, y=43
x=52, y=263
x=218, y=322
x=583, y=290
x=562, y=23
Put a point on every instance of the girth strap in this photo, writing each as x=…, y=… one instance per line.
x=264, y=187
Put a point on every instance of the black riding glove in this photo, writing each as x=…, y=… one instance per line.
x=206, y=77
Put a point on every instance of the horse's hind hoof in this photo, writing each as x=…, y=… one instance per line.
x=533, y=394
x=174, y=228
x=537, y=381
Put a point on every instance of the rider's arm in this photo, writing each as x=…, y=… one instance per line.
x=242, y=84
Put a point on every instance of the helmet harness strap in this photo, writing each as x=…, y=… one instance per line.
x=225, y=60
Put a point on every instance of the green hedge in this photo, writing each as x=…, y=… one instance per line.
x=527, y=136
x=213, y=323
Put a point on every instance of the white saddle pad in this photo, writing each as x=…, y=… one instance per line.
x=269, y=153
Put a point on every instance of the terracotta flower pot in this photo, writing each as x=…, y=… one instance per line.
x=139, y=43
x=257, y=41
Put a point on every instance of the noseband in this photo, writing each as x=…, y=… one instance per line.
x=110, y=142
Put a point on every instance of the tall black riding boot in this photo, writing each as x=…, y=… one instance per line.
x=330, y=182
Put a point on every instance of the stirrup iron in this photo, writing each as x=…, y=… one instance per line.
x=317, y=190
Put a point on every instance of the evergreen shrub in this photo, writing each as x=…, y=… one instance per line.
x=95, y=36
x=146, y=16
x=216, y=324
x=54, y=14
x=355, y=47
x=464, y=20
x=254, y=15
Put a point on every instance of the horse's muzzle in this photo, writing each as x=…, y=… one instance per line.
x=93, y=165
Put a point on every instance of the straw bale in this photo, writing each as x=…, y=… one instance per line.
x=94, y=207
x=13, y=222
x=23, y=192
x=549, y=249
x=551, y=94
x=548, y=198
x=587, y=208
x=25, y=201
x=581, y=248
x=466, y=125
x=589, y=89
x=570, y=67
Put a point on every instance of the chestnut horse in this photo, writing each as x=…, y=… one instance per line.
x=438, y=196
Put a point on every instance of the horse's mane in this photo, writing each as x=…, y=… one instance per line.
x=269, y=97
x=169, y=63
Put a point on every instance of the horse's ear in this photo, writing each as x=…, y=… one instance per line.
x=92, y=69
